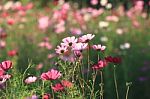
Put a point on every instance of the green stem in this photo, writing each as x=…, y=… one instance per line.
x=101, y=86
x=94, y=78
x=43, y=83
x=53, y=97
x=115, y=81
x=127, y=93
x=88, y=60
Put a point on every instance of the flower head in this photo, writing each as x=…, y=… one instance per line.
x=79, y=46
x=6, y=65
x=69, y=41
x=58, y=87
x=61, y=49
x=99, y=47
x=51, y=75
x=101, y=64
x=30, y=79
x=86, y=38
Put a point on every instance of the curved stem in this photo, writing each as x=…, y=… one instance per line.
x=92, y=92
x=128, y=87
x=115, y=81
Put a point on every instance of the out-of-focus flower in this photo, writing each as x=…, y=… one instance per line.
x=2, y=44
x=99, y=47
x=30, y=79
x=61, y=49
x=101, y=64
x=111, y=59
x=12, y=53
x=45, y=45
x=119, y=31
x=103, y=2
x=8, y=5
x=79, y=46
x=6, y=65
x=69, y=41
x=1, y=71
x=46, y=96
x=51, y=75
x=43, y=22
x=125, y=46
x=39, y=66
x=58, y=87
x=94, y=2
x=78, y=54
x=104, y=39
x=49, y=56
x=103, y=24
x=108, y=6
x=32, y=97
x=86, y=38
x=112, y=18
x=66, y=83
x=76, y=31
x=10, y=21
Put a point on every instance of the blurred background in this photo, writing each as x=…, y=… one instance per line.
x=31, y=30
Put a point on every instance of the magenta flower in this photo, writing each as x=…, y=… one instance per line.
x=61, y=49
x=6, y=65
x=30, y=79
x=51, y=75
x=79, y=46
x=100, y=65
x=69, y=41
x=99, y=47
x=86, y=38
x=58, y=87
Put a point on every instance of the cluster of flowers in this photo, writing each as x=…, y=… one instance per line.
x=4, y=67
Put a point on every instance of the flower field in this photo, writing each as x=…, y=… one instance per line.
x=64, y=51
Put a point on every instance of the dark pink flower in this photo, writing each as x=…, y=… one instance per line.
x=101, y=64
x=58, y=87
x=46, y=96
x=6, y=65
x=12, y=53
x=51, y=75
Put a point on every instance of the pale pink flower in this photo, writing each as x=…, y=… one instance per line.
x=76, y=31
x=61, y=49
x=99, y=47
x=79, y=46
x=39, y=66
x=51, y=75
x=94, y=2
x=69, y=41
x=43, y=22
x=2, y=44
x=86, y=38
x=45, y=45
x=30, y=79
x=112, y=18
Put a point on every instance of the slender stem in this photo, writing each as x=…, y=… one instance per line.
x=88, y=60
x=43, y=83
x=127, y=92
x=101, y=86
x=94, y=78
x=52, y=92
x=115, y=81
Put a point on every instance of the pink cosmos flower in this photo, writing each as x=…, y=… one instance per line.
x=43, y=22
x=58, y=87
x=94, y=2
x=39, y=66
x=61, y=49
x=112, y=18
x=101, y=64
x=6, y=65
x=66, y=83
x=99, y=47
x=51, y=75
x=79, y=46
x=30, y=79
x=1, y=71
x=86, y=38
x=69, y=41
